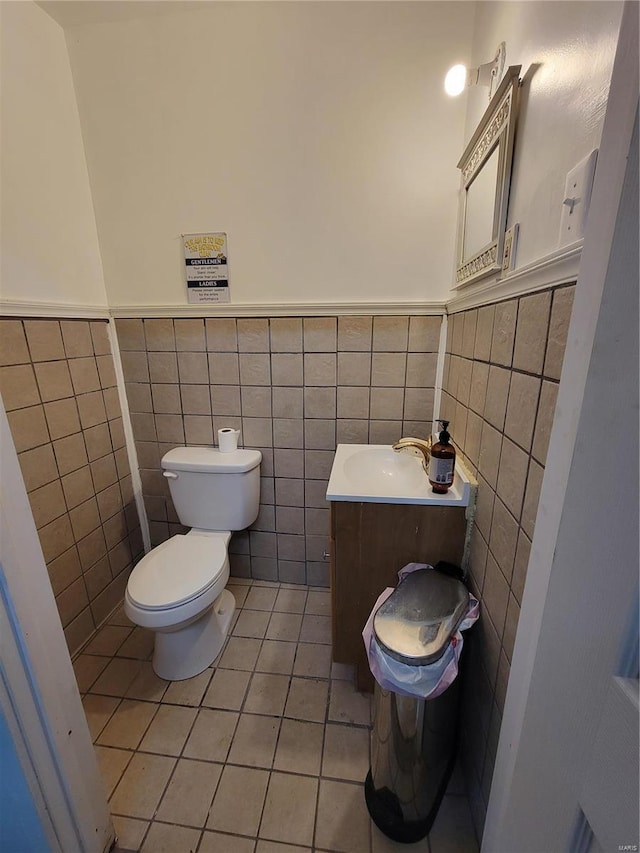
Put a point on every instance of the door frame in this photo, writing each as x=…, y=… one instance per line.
x=520, y=702
x=38, y=690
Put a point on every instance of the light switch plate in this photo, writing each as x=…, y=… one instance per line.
x=576, y=199
x=510, y=248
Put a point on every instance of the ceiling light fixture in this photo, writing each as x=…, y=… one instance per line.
x=459, y=77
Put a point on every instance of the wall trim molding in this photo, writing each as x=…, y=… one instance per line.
x=289, y=309
x=9, y=308
x=559, y=267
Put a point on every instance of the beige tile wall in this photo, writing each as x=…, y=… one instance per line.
x=500, y=384
x=295, y=388
x=58, y=386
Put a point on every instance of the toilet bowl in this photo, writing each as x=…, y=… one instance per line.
x=178, y=588
x=189, y=609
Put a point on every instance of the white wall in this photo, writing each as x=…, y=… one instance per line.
x=562, y=103
x=316, y=134
x=49, y=242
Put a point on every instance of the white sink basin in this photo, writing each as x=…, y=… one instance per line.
x=375, y=473
x=380, y=467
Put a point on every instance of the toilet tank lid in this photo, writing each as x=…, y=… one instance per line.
x=211, y=459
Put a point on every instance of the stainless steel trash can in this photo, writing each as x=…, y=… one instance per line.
x=414, y=740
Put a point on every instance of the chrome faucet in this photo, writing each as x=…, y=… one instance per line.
x=416, y=447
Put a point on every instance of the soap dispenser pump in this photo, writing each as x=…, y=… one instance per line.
x=443, y=462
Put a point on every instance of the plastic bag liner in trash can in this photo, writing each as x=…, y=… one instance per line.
x=413, y=641
x=418, y=653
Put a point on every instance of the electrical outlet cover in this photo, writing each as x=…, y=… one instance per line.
x=576, y=199
x=510, y=247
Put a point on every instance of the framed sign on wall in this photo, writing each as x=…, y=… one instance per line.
x=206, y=267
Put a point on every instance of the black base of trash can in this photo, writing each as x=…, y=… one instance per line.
x=386, y=813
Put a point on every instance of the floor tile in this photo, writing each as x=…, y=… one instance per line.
x=313, y=659
x=227, y=689
x=284, y=626
x=240, y=593
x=318, y=604
x=164, y=838
x=119, y=617
x=142, y=785
x=277, y=657
x=261, y=598
x=217, y=842
x=452, y=831
x=127, y=726
x=316, y=629
x=254, y=741
x=211, y=735
x=343, y=672
x=87, y=668
x=291, y=601
x=346, y=752
x=129, y=832
x=189, y=691
x=252, y=623
x=190, y=793
x=267, y=694
x=169, y=730
x=117, y=677
x=299, y=747
x=274, y=755
x=349, y=706
x=237, y=805
x=108, y=640
x=307, y=700
x=147, y=685
x=240, y=653
x=289, y=809
x=343, y=822
x=98, y=710
x=112, y=763
x=139, y=644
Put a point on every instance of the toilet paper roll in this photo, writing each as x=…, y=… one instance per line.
x=228, y=439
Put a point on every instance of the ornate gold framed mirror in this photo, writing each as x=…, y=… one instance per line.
x=486, y=176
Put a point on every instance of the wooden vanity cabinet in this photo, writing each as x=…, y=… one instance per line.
x=370, y=543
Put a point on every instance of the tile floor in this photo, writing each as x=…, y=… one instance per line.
x=264, y=752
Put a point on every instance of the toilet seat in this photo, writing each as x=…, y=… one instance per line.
x=177, y=571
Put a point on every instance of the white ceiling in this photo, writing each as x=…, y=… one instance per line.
x=74, y=13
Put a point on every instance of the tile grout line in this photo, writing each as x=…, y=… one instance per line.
x=324, y=738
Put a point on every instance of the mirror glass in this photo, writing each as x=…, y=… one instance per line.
x=480, y=207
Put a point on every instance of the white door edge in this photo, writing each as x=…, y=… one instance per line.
x=607, y=191
x=39, y=693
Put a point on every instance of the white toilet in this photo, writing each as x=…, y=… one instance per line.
x=178, y=588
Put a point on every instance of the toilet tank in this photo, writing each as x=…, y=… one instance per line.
x=213, y=490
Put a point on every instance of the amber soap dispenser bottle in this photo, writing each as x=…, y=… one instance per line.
x=442, y=462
